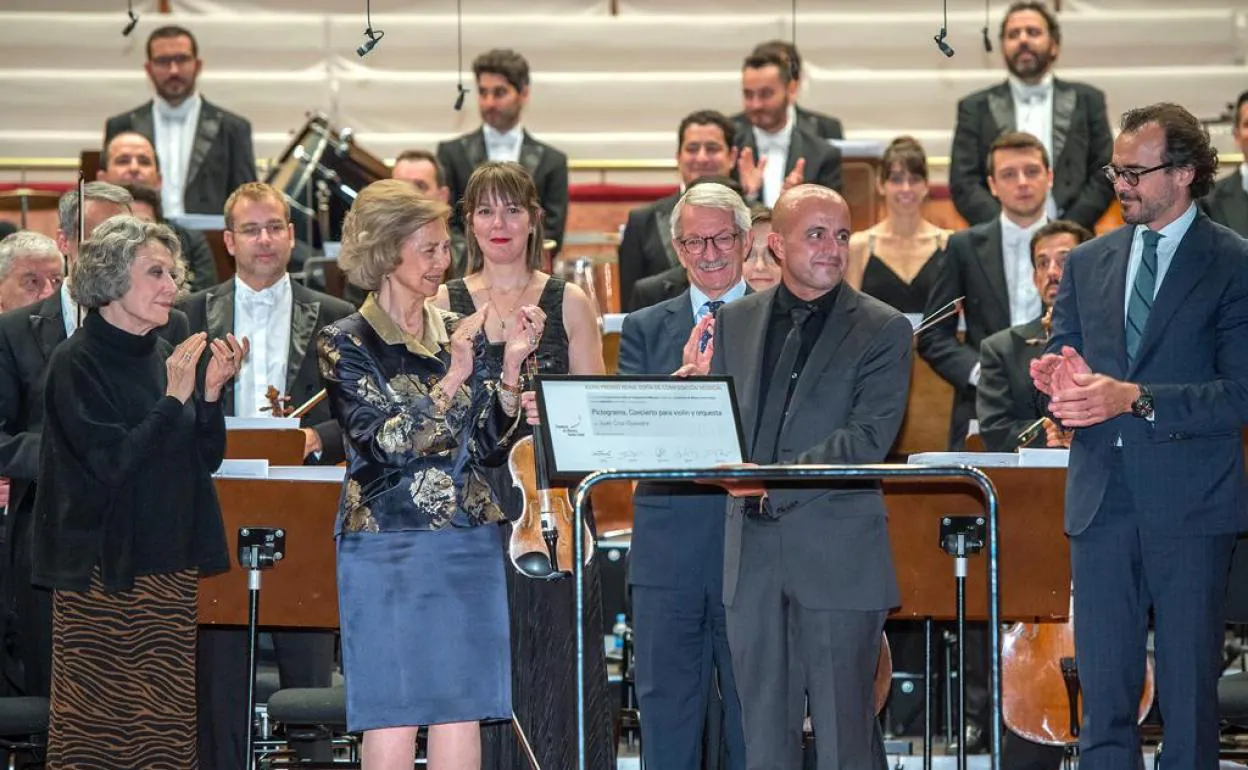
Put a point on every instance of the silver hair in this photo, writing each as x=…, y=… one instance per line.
x=25, y=243
x=67, y=209
x=101, y=274
x=711, y=195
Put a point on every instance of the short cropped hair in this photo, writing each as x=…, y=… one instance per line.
x=505, y=63
x=711, y=195
x=254, y=192
x=171, y=31
x=707, y=118
x=506, y=182
x=439, y=176
x=101, y=274
x=783, y=48
x=383, y=216
x=105, y=156
x=25, y=243
x=766, y=58
x=104, y=192
x=148, y=196
x=1050, y=18
x=1016, y=140
x=1059, y=227
x=1187, y=141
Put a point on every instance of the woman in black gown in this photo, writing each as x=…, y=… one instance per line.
x=503, y=225
x=896, y=260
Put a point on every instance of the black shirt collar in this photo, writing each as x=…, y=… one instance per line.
x=822, y=305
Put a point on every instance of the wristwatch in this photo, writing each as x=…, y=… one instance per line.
x=1143, y=406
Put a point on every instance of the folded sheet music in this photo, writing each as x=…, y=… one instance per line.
x=334, y=473
x=243, y=469
x=1043, y=458
x=973, y=459
x=261, y=423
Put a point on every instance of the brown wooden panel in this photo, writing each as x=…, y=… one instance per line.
x=1034, y=553
x=279, y=447
x=928, y=409
x=301, y=590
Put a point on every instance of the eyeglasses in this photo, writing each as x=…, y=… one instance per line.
x=165, y=62
x=697, y=246
x=252, y=232
x=1129, y=175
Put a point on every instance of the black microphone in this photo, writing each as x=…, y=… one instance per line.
x=459, y=100
x=944, y=47
x=987, y=41
x=134, y=20
x=367, y=45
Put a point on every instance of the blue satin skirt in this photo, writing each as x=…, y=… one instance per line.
x=424, y=627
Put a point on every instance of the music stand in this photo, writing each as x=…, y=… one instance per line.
x=259, y=548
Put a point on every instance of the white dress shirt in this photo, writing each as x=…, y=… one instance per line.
x=698, y=300
x=500, y=146
x=264, y=318
x=775, y=148
x=1025, y=304
x=1033, y=114
x=175, y=129
x=1171, y=235
x=69, y=310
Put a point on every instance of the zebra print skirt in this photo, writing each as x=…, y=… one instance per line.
x=123, y=676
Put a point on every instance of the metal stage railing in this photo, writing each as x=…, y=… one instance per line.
x=805, y=473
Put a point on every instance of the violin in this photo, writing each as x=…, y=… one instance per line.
x=1040, y=683
x=541, y=545
x=279, y=405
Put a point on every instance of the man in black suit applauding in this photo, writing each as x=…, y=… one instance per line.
x=206, y=150
x=1228, y=203
x=776, y=151
x=280, y=319
x=502, y=92
x=823, y=126
x=1068, y=118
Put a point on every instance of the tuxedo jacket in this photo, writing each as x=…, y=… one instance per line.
x=212, y=311
x=1082, y=145
x=460, y=156
x=1005, y=400
x=221, y=157
x=1227, y=203
x=846, y=408
x=654, y=289
x=1185, y=467
x=646, y=246
x=28, y=335
x=973, y=267
x=823, y=161
x=822, y=126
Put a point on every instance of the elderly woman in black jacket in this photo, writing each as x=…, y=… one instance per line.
x=126, y=519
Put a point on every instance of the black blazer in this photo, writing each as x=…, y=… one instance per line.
x=549, y=167
x=28, y=335
x=654, y=289
x=1082, y=145
x=198, y=257
x=1227, y=203
x=822, y=126
x=213, y=311
x=823, y=161
x=973, y=267
x=646, y=246
x=221, y=158
x=1006, y=399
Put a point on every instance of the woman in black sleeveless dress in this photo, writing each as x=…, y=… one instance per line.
x=504, y=233
x=896, y=261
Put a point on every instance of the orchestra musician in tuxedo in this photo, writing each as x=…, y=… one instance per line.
x=502, y=77
x=280, y=319
x=676, y=560
x=1227, y=204
x=822, y=126
x=704, y=148
x=207, y=150
x=28, y=337
x=1069, y=119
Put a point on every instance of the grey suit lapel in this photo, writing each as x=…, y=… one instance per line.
x=990, y=256
x=1118, y=248
x=797, y=149
x=141, y=122
x=1001, y=107
x=205, y=134
x=1065, y=99
x=219, y=318
x=678, y=325
x=531, y=154
x=1186, y=269
x=474, y=148
x=48, y=325
x=663, y=227
x=748, y=347
x=303, y=314
x=835, y=329
x=1234, y=202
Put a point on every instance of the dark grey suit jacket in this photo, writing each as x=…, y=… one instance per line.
x=1082, y=145
x=823, y=161
x=1185, y=467
x=822, y=126
x=1227, y=203
x=972, y=267
x=460, y=156
x=213, y=311
x=654, y=289
x=646, y=246
x=221, y=158
x=1005, y=400
x=846, y=407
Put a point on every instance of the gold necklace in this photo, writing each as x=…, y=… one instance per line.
x=502, y=317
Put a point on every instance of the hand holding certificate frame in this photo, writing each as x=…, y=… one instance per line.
x=637, y=423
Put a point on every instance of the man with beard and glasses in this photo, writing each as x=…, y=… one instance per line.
x=206, y=150
x=502, y=93
x=1068, y=118
x=1148, y=364
x=816, y=123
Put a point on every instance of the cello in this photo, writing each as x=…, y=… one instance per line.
x=541, y=545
